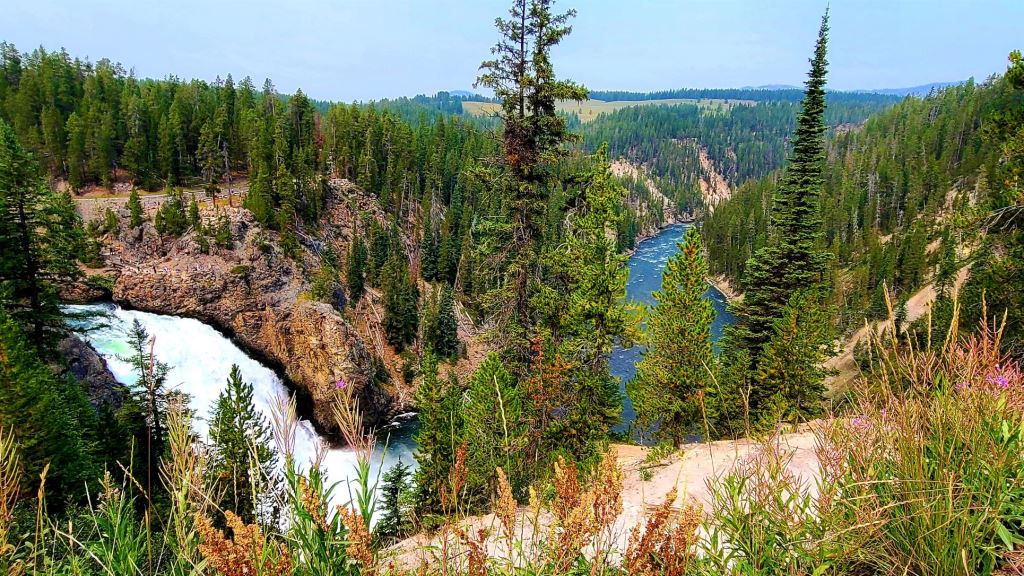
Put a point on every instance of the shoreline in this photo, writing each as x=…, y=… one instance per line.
x=721, y=283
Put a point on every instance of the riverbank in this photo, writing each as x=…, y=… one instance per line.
x=723, y=285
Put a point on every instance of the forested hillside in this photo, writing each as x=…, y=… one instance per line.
x=743, y=141
x=899, y=197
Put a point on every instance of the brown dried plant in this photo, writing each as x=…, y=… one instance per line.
x=247, y=553
x=666, y=544
x=505, y=508
x=359, y=541
x=583, y=517
x=10, y=475
x=313, y=502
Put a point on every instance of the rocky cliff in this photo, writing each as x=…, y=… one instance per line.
x=259, y=296
x=90, y=369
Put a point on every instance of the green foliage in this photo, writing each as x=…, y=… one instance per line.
x=994, y=284
x=243, y=465
x=791, y=260
x=401, y=302
x=222, y=234
x=150, y=395
x=673, y=380
x=494, y=431
x=789, y=371
x=50, y=417
x=439, y=436
x=355, y=269
x=135, y=213
x=172, y=217
x=394, y=522
x=41, y=237
x=440, y=329
x=533, y=137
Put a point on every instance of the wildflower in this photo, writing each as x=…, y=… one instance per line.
x=341, y=384
x=1001, y=381
x=860, y=424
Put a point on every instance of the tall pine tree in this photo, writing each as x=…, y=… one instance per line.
x=243, y=464
x=673, y=379
x=792, y=263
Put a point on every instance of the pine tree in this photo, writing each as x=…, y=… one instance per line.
x=428, y=248
x=494, y=431
x=151, y=396
x=355, y=269
x=243, y=463
x=792, y=261
x=401, y=302
x=135, y=213
x=45, y=412
x=393, y=521
x=790, y=366
x=523, y=79
x=446, y=342
x=40, y=238
x=945, y=276
x=674, y=377
x=439, y=436
x=193, y=216
x=172, y=217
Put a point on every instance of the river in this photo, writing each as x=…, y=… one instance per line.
x=645, y=268
x=200, y=359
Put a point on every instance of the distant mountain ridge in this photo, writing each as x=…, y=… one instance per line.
x=922, y=90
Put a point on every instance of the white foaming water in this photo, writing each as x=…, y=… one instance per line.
x=200, y=359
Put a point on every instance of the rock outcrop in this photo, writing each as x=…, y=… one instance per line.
x=258, y=296
x=90, y=368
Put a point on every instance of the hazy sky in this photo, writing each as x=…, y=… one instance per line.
x=348, y=50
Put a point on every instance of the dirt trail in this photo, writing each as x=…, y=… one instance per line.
x=917, y=307
x=689, y=472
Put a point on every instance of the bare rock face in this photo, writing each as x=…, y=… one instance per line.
x=91, y=369
x=258, y=296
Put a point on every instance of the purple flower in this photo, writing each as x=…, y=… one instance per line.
x=859, y=423
x=341, y=384
x=1001, y=381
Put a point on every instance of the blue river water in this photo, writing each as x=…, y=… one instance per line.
x=645, y=268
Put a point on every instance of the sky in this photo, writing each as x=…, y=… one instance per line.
x=347, y=50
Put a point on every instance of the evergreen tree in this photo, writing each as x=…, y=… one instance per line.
x=428, y=248
x=135, y=213
x=439, y=436
x=446, y=340
x=494, y=431
x=46, y=414
x=401, y=302
x=523, y=79
x=945, y=275
x=243, y=463
x=172, y=217
x=40, y=238
x=673, y=379
x=355, y=269
x=792, y=260
x=194, y=219
x=790, y=366
x=151, y=396
x=393, y=522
